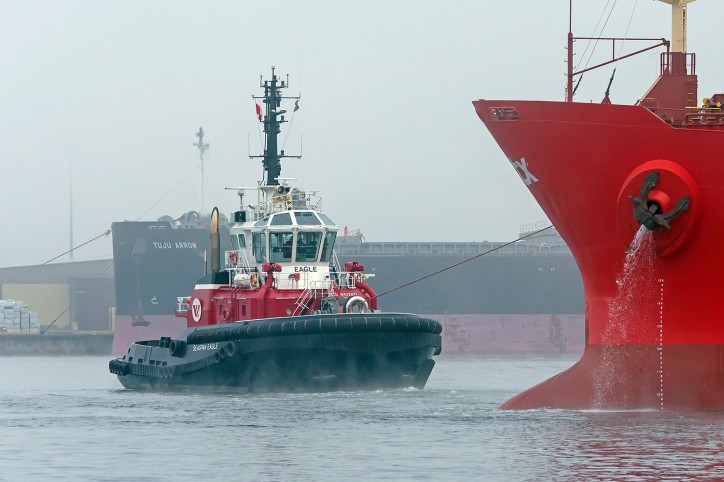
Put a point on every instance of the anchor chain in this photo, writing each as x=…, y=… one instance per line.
x=647, y=214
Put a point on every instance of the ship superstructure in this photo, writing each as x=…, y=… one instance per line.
x=282, y=259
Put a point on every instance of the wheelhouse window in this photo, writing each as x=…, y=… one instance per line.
x=281, y=246
x=281, y=219
x=238, y=242
x=328, y=245
x=325, y=219
x=306, y=218
x=308, y=245
x=259, y=247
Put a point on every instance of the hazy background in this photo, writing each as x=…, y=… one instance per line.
x=117, y=90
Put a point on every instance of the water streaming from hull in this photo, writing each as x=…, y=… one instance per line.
x=636, y=281
x=620, y=372
x=636, y=287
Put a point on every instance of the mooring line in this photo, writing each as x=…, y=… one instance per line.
x=105, y=233
x=463, y=261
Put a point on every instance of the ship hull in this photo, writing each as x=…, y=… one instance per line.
x=653, y=318
x=310, y=353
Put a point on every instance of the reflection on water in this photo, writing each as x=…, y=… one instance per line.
x=68, y=419
x=631, y=445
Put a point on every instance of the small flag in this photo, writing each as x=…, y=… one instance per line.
x=258, y=111
x=296, y=105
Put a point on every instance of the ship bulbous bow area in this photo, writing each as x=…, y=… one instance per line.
x=626, y=363
x=630, y=377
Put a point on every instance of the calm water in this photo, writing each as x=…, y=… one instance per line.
x=67, y=419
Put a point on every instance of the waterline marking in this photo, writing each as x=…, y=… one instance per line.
x=661, y=342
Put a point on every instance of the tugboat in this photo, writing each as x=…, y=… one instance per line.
x=282, y=314
x=637, y=193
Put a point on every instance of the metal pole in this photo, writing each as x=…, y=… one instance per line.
x=71, y=209
x=569, y=86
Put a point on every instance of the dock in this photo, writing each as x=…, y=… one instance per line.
x=56, y=343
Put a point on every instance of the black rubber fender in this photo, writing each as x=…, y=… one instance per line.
x=230, y=349
x=312, y=324
x=118, y=367
x=177, y=348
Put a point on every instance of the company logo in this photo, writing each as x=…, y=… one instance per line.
x=523, y=171
x=196, y=310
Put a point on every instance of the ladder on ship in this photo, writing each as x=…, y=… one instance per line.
x=313, y=290
x=303, y=302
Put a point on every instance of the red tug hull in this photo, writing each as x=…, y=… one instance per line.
x=655, y=329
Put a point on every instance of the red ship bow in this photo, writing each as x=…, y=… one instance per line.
x=654, y=298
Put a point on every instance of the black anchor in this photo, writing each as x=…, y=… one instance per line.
x=647, y=215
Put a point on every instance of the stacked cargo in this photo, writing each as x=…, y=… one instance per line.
x=16, y=318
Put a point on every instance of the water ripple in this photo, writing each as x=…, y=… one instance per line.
x=82, y=427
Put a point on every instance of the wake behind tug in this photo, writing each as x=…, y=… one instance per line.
x=282, y=314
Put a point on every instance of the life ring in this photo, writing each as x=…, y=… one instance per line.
x=233, y=258
x=357, y=304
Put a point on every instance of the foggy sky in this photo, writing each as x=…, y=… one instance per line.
x=390, y=137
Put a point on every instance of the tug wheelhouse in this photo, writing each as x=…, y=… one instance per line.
x=301, y=242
